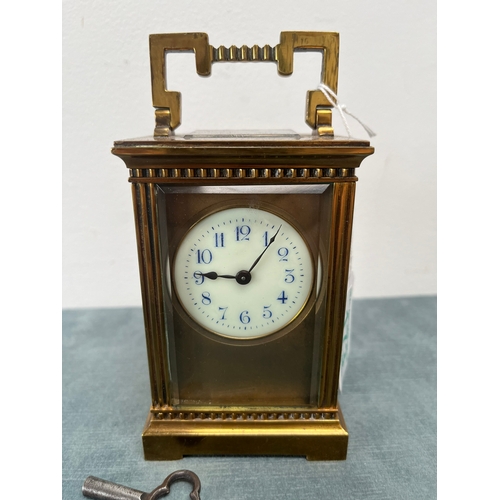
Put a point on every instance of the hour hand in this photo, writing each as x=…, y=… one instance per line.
x=213, y=276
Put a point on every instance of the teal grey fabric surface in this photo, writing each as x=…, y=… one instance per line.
x=388, y=400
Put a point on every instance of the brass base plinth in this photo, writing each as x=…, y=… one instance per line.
x=317, y=436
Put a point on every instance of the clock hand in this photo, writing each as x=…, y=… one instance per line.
x=243, y=277
x=268, y=245
x=214, y=276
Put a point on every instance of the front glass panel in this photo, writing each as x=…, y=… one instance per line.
x=244, y=289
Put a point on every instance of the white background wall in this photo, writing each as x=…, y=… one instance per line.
x=387, y=77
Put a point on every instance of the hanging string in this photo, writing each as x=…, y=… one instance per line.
x=342, y=109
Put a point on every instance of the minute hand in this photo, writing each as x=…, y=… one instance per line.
x=268, y=245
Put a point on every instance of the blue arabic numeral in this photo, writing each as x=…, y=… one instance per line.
x=282, y=297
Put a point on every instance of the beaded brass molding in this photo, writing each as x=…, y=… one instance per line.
x=161, y=174
x=167, y=414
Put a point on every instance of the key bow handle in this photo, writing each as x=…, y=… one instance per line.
x=179, y=475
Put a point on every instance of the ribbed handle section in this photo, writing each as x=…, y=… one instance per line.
x=244, y=53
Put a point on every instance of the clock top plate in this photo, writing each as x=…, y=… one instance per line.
x=276, y=137
x=246, y=148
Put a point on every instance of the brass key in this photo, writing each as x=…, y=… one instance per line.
x=100, y=489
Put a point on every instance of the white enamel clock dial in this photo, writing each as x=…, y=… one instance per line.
x=243, y=273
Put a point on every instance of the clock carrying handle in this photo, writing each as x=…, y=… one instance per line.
x=167, y=103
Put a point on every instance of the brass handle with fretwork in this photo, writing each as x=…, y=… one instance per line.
x=167, y=103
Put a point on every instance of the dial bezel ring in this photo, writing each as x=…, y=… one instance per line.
x=293, y=322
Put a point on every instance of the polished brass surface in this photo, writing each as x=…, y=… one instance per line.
x=221, y=158
x=168, y=102
x=320, y=436
x=338, y=275
x=324, y=122
x=276, y=397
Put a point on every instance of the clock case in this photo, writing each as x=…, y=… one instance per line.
x=276, y=395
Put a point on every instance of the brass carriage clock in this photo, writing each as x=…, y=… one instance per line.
x=243, y=244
